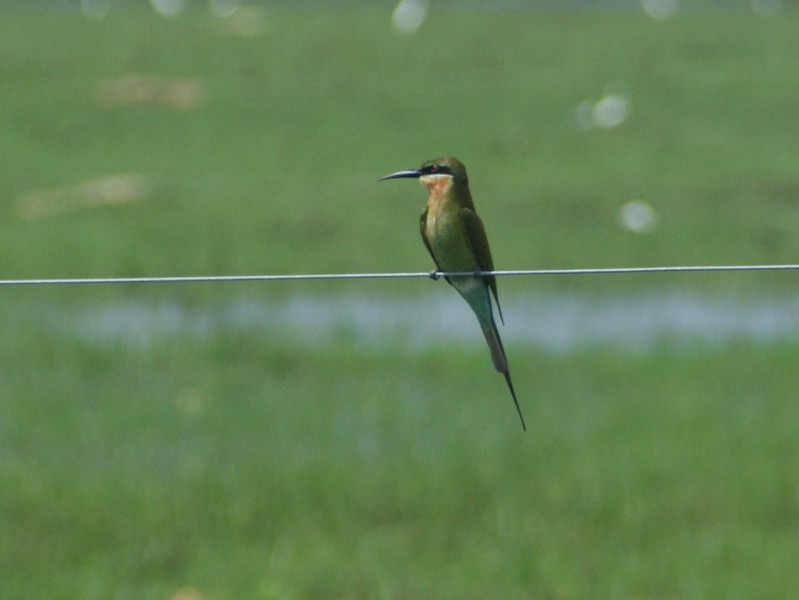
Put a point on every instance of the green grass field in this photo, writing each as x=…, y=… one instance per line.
x=230, y=463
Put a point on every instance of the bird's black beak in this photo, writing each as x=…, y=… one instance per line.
x=412, y=174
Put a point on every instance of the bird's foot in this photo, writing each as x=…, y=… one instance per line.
x=435, y=274
x=477, y=274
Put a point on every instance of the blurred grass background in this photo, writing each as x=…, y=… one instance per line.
x=229, y=463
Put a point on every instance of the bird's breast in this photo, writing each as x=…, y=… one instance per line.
x=447, y=239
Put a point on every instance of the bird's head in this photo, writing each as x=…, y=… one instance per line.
x=439, y=174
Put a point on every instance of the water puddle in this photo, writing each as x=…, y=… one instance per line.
x=553, y=323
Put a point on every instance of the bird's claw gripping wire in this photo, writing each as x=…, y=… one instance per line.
x=435, y=274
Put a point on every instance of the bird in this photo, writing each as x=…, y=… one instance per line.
x=456, y=239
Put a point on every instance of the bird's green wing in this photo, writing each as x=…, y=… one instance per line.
x=478, y=243
x=423, y=228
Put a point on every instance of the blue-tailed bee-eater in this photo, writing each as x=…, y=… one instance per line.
x=456, y=239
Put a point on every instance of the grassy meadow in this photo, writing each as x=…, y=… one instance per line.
x=223, y=462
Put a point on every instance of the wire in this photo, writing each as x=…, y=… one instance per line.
x=432, y=275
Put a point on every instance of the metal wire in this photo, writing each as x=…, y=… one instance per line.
x=431, y=274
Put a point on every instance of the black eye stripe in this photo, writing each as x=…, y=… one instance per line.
x=437, y=169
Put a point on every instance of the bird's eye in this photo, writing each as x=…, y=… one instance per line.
x=434, y=169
